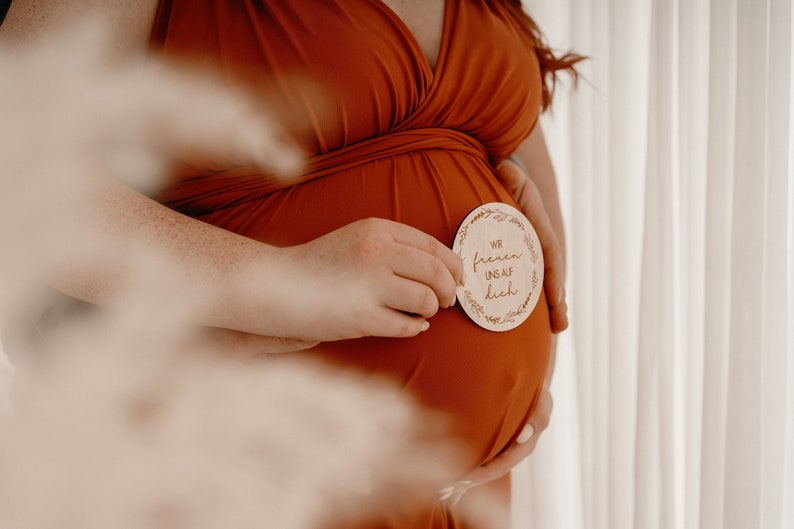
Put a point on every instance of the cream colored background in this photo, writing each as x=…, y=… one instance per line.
x=674, y=391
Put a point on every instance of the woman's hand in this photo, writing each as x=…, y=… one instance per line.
x=531, y=204
x=509, y=458
x=373, y=277
x=242, y=345
x=539, y=202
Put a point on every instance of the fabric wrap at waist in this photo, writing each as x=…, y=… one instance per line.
x=200, y=194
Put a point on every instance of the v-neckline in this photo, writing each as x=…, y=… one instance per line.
x=442, y=46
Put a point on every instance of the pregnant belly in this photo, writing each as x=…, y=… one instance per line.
x=487, y=382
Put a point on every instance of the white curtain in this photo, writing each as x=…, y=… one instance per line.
x=674, y=391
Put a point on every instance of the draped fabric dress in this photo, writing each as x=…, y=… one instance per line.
x=387, y=136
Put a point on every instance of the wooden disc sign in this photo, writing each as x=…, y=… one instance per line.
x=503, y=266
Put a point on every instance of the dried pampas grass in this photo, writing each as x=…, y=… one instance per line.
x=124, y=418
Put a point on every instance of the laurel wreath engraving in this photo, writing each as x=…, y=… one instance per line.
x=476, y=307
x=530, y=244
x=498, y=215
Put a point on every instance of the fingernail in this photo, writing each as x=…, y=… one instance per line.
x=526, y=434
x=425, y=326
x=452, y=303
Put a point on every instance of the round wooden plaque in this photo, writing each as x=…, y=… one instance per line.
x=503, y=266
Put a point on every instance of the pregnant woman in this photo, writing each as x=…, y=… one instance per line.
x=404, y=111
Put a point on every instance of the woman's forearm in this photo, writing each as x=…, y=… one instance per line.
x=371, y=277
x=533, y=183
x=535, y=156
x=111, y=239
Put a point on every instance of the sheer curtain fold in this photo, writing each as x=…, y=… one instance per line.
x=676, y=158
x=653, y=493
x=776, y=265
x=742, y=443
x=692, y=96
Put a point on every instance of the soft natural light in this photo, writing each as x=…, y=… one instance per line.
x=675, y=160
x=674, y=386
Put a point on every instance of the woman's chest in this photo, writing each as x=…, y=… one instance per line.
x=425, y=20
x=341, y=71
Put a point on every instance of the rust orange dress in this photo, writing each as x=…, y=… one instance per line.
x=390, y=137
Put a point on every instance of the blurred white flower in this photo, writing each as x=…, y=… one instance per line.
x=121, y=419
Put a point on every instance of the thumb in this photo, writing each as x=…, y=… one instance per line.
x=510, y=174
